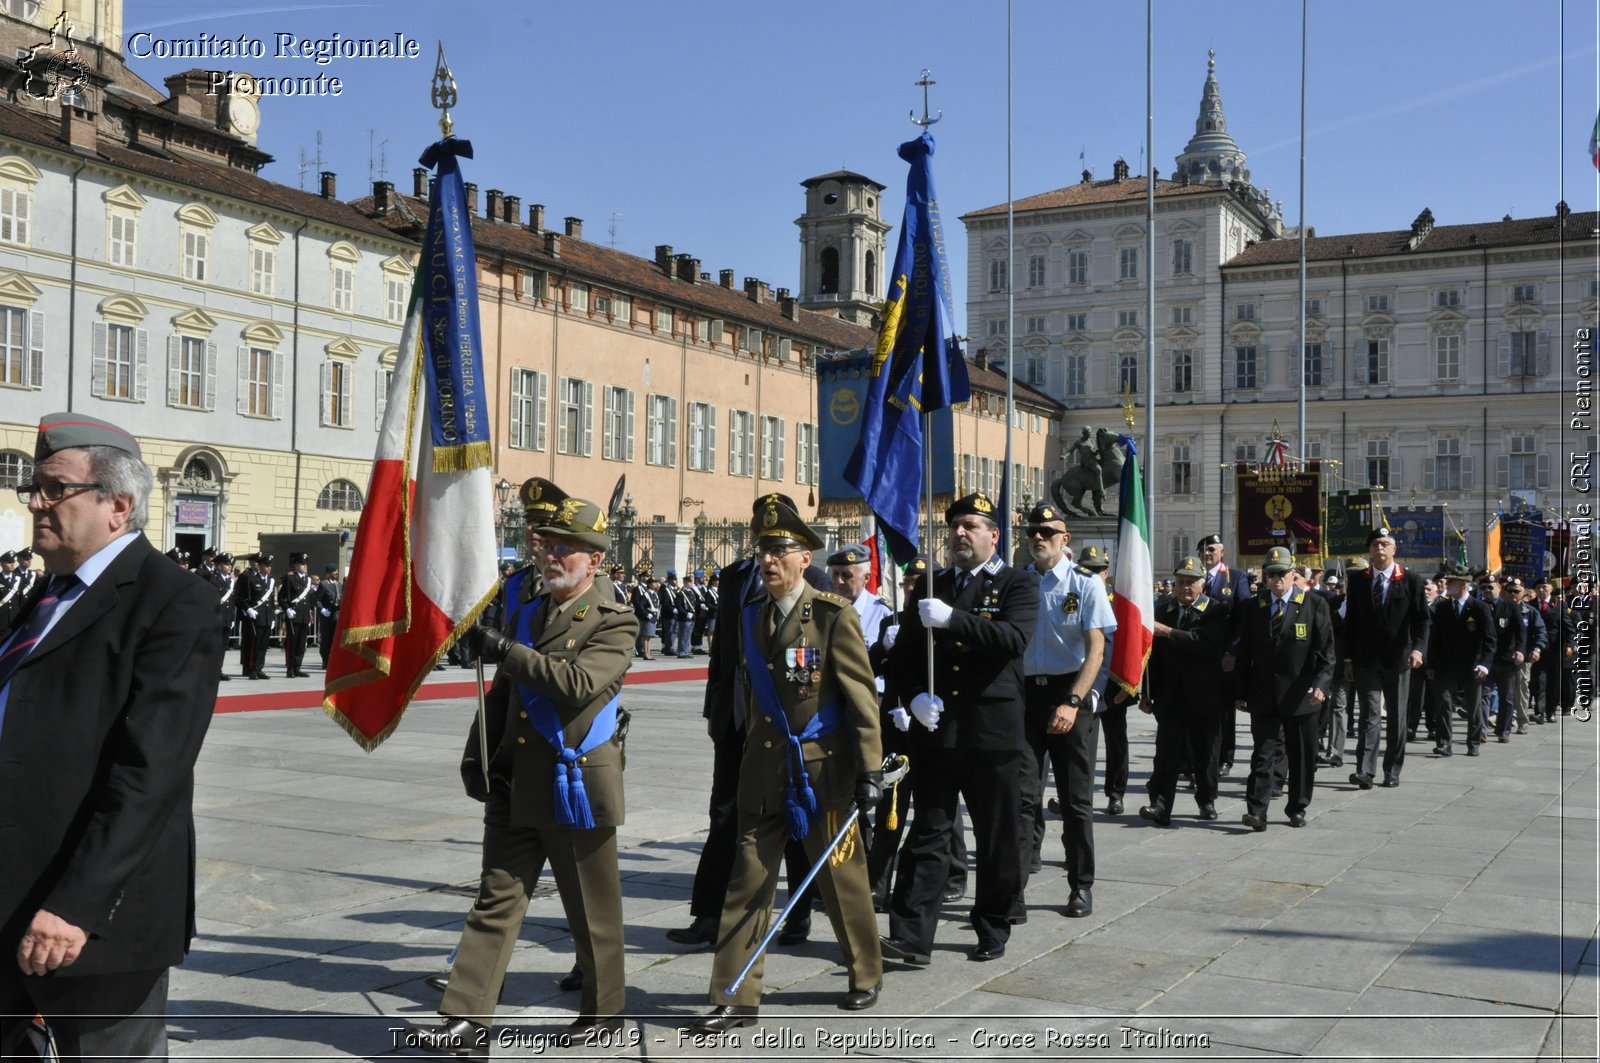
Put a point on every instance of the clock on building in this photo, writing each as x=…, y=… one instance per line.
x=241, y=111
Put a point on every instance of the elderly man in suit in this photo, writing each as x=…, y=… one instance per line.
x=1385, y=639
x=814, y=750
x=107, y=684
x=1185, y=689
x=1230, y=588
x=554, y=790
x=1282, y=676
x=1461, y=649
x=968, y=738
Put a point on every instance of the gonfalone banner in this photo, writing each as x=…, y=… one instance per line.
x=841, y=393
x=1280, y=507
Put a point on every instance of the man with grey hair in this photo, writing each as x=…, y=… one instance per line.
x=107, y=685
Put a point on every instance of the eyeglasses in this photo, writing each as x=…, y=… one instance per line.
x=1045, y=533
x=779, y=551
x=51, y=492
x=562, y=550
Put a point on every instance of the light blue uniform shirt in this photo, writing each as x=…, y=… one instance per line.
x=1070, y=601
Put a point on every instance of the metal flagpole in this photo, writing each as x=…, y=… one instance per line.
x=1011, y=297
x=1149, y=266
x=927, y=419
x=1302, y=286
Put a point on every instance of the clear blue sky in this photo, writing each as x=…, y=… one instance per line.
x=695, y=120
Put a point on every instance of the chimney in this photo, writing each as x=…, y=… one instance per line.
x=419, y=183
x=472, y=198
x=513, y=209
x=688, y=268
x=1562, y=210
x=77, y=128
x=190, y=94
x=536, y=217
x=725, y=278
x=1088, y=175
x=791, y=309
x=705, y=278
x=382, y=197
x=552, y=244
x=664, y=258
x=981, y=359
x=1119, y=169
x=327, y=187
x=574, y=227
x=492, y=210
x=757, y=289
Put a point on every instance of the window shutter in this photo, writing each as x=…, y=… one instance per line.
x=380, y=393
x=1542, y=464
x=779, y=451
x=1397, y=476
x=277, y=385
x=97, y=369
x=210, y=402
x=323, y=410
x=1502, y=470
x=242, y=395
x=1466, y=474
x=608, y=444
x=714, y=331
x=541, y=408
x=711, y=438
x=141, y=364
x=1542, y=360
x=671, y=433
x=174, y=345
x=588, y=420
x=1428, y=472
x=519, y=433
x=1505, y=354
x=36, y=349
x=1263, y=365
x=627, y=428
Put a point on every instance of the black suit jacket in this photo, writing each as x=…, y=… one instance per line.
x=1461, y=643
x=977, y=659
x=103, y=724
x=1184, y=676
x=1510, y=637
x=1275, y=676
x=1385, y=637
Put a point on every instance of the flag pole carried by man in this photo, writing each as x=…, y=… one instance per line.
x=429, y=517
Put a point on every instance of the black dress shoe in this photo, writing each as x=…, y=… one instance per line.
x=796, y=931
x=1156, y=814
x=859, y=999
x=584, y=1023
x=1034, y=866
x=572, y=981
x=985, y=953
x=1472, y=751
x=1114, y=806
x=1363, y=781
x=1053, y=805
x=880, y=905
x=1297, y=819
x=1208, y=811
x=903, y=951
x=1225, y=770
x=302, y=675
x=1391, y=781
x=438, y=982
x=1335, y=762
x=1440, y=751
x=1080, y=904
x=725, y=1017
x=461, y=1038
x=226, y=678
x=702, y=931
x=954, y=892
x=1253, y=821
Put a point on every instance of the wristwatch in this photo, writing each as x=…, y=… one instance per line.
x=1075, y=701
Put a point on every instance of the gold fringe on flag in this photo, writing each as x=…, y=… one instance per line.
x=847, y=845
x=463, y=458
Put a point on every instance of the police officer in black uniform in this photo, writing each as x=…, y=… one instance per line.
x=257, y=616
x=295, y=599
x=220, y=576
x=330, y=592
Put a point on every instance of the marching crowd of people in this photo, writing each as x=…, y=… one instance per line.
x=991, y=681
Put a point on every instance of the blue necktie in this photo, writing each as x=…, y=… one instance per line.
x=33, y=629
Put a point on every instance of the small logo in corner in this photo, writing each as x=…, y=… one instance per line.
x=54, y=66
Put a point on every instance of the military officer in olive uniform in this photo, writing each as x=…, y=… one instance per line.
x=295, y=597
x=813, y=748
x=555, y=740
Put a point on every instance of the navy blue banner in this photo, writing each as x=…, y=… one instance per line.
x=1522, y=547
x=841, y=397
x=1418, y=534
x=448, y=292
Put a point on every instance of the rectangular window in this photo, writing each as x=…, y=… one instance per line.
x=336, y=393
x=967, y=483
x=1077, y=267
x=1182, y=371
x=1035, y=325
x=1078, y=322
x=395, y=299
x=1311, y=365
x=997, y=274
x=1036, y=370
x=661, y=431
x=1377, y=304
x=196, y=249
x=1447, y=297
x=1447, y=464
x=188, y=384
x=529, y=398
x=1313, y=308
x=122, y=240
x=1036, y=271
x=1525, y=468
x=617, y=444
x=1244, y=312
x=1244, y=451
x=1183, y=315
x=702, y=437
x=1127, y=319
x=622, y=309
x=1182, y=470
x=1375, y=368
x=1378, y=463
x=120, y=368
x=263, y=267
x=986, y=476
x=1244, y=368
x=665, y=319
x=741, y=443
x=1128, y=375
x=16, y=210
x=532, y=284
x=344, y=289
x=997, y=326
x=119, y=362
x=1525, y=293
x=1128, y=264
x=1524, y=350
x=575, y=428
x=1077, y=366
x=578, y=296
x=1182, y=257
x=772, y=448
x=380, y=396
x=14, y=348
x=751, y=339
x=255, y=383
x=1447, y=357
x=805, y=453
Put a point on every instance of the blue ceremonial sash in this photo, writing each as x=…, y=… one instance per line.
x=799, y=799
x=570, y=799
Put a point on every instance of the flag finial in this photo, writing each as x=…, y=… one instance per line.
x=444, y=92
x=926, y=120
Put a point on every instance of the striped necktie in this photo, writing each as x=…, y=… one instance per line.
x=1277, y=617
x=28, y=635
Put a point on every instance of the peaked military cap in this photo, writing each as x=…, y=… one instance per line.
x=582, y=521
x=776, y=496
x=1190, y=568
x=175, y=555
x=209, y=553
x=1209, y=540
x=778, y=520
x=1279, y=560
x=1044, y=512
x=298, y=558
x=25, y=554
x=854, y=554
x=1454, y=570
x=8, y=558
x=1095, y=559
x=64, y=431
x=917, y=566
x=224, y=559
x=1380, y=532
x=262, y=559
x=540, y=500
x=975, y=504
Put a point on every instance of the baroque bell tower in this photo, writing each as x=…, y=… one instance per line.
x=841, y=246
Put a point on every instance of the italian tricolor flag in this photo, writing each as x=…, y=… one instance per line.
x=1134, y=604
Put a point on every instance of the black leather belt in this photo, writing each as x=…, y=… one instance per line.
x=1051, y=680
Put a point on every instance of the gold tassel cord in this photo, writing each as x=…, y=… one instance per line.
x=847, y=845
x=894, y=806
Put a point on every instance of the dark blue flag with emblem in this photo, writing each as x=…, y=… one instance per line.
x=915, y=368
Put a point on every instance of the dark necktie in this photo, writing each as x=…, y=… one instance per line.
x=33, y=629
x=1277, y=617
x=1377, y=590
x=962, y=579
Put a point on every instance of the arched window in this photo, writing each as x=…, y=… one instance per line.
x=829, y=284
x=872, y=272
x=340, y=494
x=15, y=468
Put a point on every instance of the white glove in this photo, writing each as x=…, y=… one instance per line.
x=900, y=718
x=289, y=613
x=934, y=613
x=890, y=633
x=326, y=612
x=927, y=708
x=251, y=613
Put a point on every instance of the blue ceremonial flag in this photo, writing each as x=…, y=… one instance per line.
x=842, y=384
x=915, y=368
